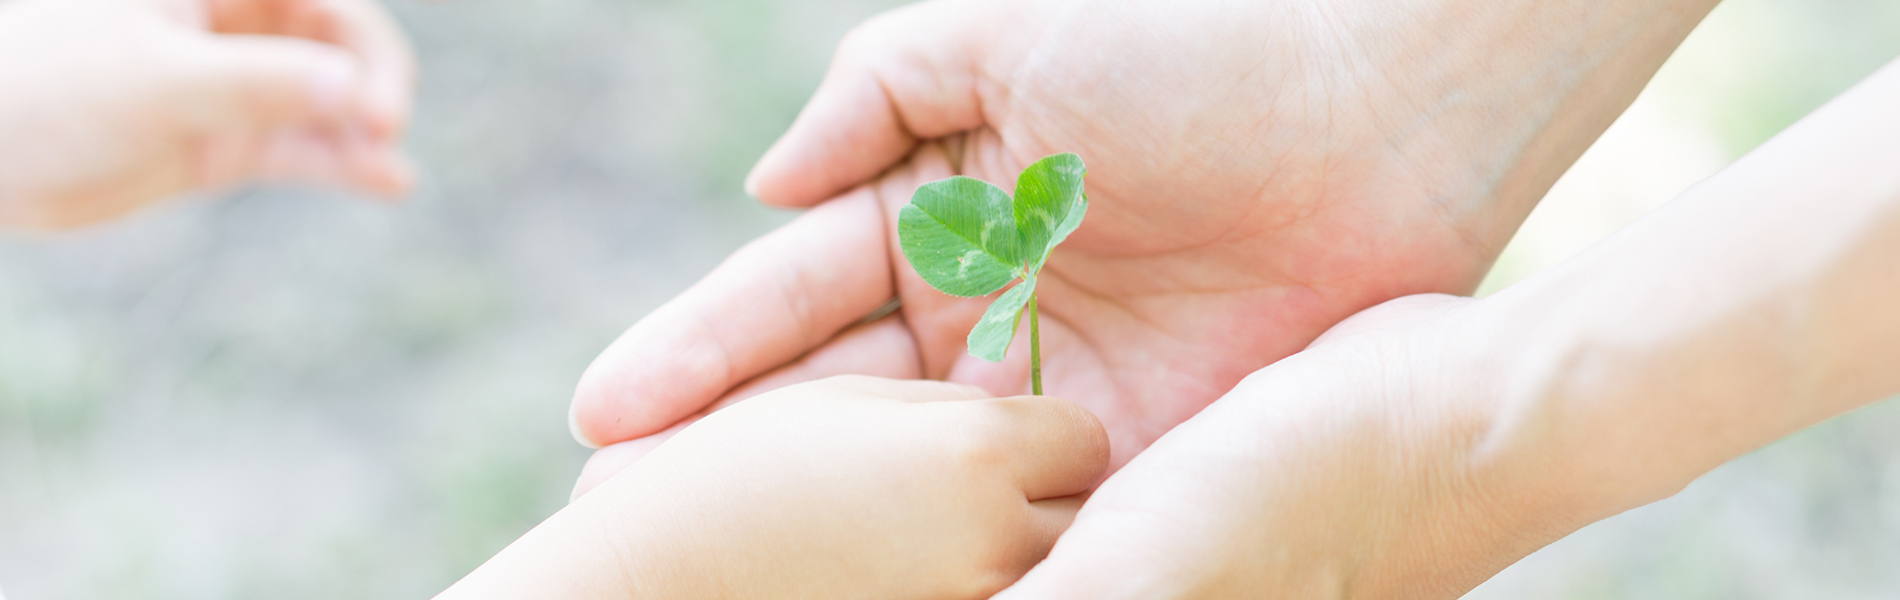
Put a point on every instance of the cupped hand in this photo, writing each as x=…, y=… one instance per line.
x=850, y=487
x=1257, y=172
x=112, y=104
x=1380, y=463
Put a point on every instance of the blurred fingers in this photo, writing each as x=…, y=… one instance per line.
x=906, y=75
x=280, y=109
x=345, y=157
x=259, y=83
x=389, y=65
x=359, y=28
x=310, y=154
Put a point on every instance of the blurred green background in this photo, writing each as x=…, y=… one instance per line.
x=290, y=394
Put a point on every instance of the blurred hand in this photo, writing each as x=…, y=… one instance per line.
x=1258, y=171
x=1375, y=464
x=107, y=105
x=850, y=487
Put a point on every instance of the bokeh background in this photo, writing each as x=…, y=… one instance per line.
x=291, y=394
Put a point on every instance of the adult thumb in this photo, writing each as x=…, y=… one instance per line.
x=264, y=83
x=906, y=75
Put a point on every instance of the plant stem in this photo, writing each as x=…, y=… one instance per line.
x=1035, y=348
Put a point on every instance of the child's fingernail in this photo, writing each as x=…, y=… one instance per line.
x=574, y=429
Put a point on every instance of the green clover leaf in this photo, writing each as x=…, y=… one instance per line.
x=968, y=238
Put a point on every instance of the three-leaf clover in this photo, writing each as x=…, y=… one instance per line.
x=968, y=238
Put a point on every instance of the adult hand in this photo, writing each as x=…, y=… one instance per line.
x=1424, y=445
x=1373, y=465
x=112, y=104
x=1258, y=171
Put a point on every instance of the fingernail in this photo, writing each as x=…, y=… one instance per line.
x=574, y=429
x=330, y=84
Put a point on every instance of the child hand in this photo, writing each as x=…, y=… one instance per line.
x=106, y=105
x=850, y=487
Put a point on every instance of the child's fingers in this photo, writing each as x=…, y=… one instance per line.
x=1029, y=542
x=772, y=301
x=1055, y=448
x=1049, y=517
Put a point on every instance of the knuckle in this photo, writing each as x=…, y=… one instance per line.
x=980, y=441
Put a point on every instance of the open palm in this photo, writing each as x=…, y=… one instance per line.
x=1257, y=172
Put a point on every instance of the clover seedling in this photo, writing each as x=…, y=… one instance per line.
x=968, y=238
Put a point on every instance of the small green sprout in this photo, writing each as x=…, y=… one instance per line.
x=968, y=238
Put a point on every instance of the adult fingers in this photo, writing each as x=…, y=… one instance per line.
x=882, y=348
x=906, y=75
x=773, y=300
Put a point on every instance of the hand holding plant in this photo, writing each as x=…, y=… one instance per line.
x=1261, y=171
x=849, y=487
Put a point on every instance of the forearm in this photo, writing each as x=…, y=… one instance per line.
x=1513, y=91
x=563, y=558
x=1759, y=303
x=641, y=535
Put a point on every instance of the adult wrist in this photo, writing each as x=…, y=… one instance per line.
x=1499, y=108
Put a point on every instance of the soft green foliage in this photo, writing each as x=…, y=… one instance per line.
x=968, y=238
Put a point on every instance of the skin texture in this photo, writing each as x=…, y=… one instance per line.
x=1257, y=172
x=849, y=487
x=1420, y=447
x=126, y=102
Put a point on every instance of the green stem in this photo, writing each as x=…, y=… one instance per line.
x=1035, y=348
